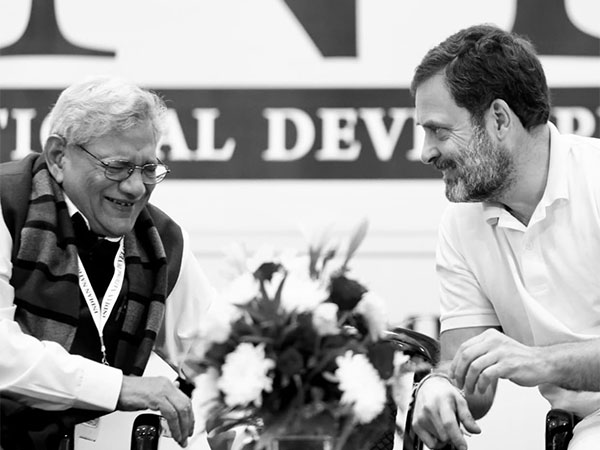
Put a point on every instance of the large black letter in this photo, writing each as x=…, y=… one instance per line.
x=331, y=24
x=546, y=23
x=43, y=37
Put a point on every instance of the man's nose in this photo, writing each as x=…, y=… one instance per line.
x=429, y=152
x=134, y=184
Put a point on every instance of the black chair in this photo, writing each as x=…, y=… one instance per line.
x=420, y=348
x=559, y=423
x=559, y=428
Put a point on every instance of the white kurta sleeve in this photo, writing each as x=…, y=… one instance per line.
x=43, y=373
x=185, y=309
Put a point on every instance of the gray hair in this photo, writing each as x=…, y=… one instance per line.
x=100, y=106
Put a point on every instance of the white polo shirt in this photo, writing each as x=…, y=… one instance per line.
x=540, y=282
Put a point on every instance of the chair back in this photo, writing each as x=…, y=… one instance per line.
x=419, y=347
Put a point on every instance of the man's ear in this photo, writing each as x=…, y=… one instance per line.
x=502, y=117
x=55, y=156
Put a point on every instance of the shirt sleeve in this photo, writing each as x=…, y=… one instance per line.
x=185, y=309
x=43, y=373
x=463, y=303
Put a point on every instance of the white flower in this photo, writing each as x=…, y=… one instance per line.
x=292, y=260
x=401, y=360
x=241, y=290
x=301, y=293
x=245, y=375
x=215, y=328
x=325, y=319
x=236, y=258
x=372, y=307
x=361, y=386
x=272, y=285
x=205, y=395
x=264, y=254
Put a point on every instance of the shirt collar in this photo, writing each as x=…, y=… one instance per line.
x=491, y=212
x=556, y=184
x=74, y=210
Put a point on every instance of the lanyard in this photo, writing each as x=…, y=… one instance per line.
x=100, y=314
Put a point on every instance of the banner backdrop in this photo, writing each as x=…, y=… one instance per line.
x=276, y=89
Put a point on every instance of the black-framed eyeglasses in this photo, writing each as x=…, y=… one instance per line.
x=120, y=170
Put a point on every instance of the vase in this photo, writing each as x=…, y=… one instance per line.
x=302, y=442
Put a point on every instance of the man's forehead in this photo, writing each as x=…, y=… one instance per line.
x=434, y=104
x=135, y=142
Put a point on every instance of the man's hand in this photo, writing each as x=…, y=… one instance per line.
x=159, y=394
x=439, y=411
x=483, y=359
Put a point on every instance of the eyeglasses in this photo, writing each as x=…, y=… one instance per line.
x=120, y=170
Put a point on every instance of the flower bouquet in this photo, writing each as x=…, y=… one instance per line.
x=295, y=346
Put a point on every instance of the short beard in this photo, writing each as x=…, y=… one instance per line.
x=484, y=170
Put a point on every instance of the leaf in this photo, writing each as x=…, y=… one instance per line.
x=317, y=243
x=356, y=239
x=329, y=255
x=345, y=292
x=277, y=299
x=313, y=258
x=381, y=356
x=223, y=418
x=264, y=309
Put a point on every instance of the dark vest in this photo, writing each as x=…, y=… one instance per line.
x=127, y=334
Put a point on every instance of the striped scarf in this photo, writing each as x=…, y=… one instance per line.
x=45, y=276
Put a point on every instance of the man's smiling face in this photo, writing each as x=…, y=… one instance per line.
x=111, y=207
x=474, y=167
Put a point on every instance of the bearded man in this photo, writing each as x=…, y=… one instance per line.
x=518, y=255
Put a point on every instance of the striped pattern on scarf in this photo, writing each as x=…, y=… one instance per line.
x=45, y=272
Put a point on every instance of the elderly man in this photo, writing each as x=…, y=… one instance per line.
x=519, y=246
x=93, y=278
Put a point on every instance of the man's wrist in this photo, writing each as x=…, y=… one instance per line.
x=436, y=375
x=555, y=363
